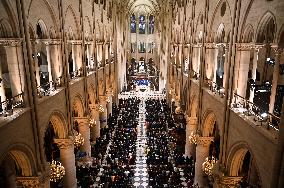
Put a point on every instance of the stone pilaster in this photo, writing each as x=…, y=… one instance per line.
x=278, y=52
x=95, y=114
x=67, y=157
x=103, y=114
x=84, y=129
x=15, y=65
x=191, y=125
x=211, y=61
x=202, y=152
x=109, y=102
x=254, y=67
x=242, y=68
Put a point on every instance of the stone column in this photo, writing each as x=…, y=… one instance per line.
x=67, y=157
x=226, y=68
x=253, y=71
x=211, y=61
x=84, y=129
x=202, y=152
x=196, y=58
x=35, y=59
x=103, y=114
x=49, y=62
x=191, y=125
x=15, y=66
x=73, y=58
x=242, y=68
x=109, y=102
x=76, y=45
x=275, y=80
x=95, y=114
x=227, y=182
x=56, y=66
x=28, y=182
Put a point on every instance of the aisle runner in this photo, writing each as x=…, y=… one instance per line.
x=141, y=174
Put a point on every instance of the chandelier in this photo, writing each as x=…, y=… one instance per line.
x=92, y=122
x=108, y=100
x=79, y=140
x=208, y=164
x=57, y=171
x=101, y=109
x=193, y=138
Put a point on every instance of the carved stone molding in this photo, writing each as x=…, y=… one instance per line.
x=49, y=41
x=277, y=49
x=28, y=182
x=198, y=45
x=204, y=141
x=230, y=181
x=193, y=121
x=94, y=107
x=65, y=143
x=82, y=120
x=244, y=46
x=102, y=98
x=11, y=42
x=75, y=42
x=258, y=46
x=211, y=46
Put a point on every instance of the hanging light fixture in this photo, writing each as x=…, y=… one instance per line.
x=108, y=100
x=79, y=140
x=92, y=122
x=193, y=138
x=101, y=109
x=57, y=171
x=208, y=165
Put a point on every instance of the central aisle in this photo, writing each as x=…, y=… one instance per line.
x=141, y=172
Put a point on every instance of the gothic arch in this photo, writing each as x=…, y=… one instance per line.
x=216, y=18
x=91, y=94
x=280, y=37
x=12, y=17
x=59, y=124
x=193, y=106
x=42, y=26
x=236, y=157
x=247, y=36
x=209, y=120
x=220, y=34
x=5, y=29
x=23, y=157
x=262, y=26
x=78, y=106
x=49, y=16
x=71, y=13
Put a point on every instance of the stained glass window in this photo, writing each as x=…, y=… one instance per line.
x=133, y=24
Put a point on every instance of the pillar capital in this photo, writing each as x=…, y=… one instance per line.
x=102, y=98
x=258, y=46
x=278, y=50
x=11, y=42
x=229, y=181
x=75, y=42
x=204, y=141
x=29, y=181
x=211, y=46
x=94, y=107
x=198, y=45
x=48, y=42
x=65, y=143
x=244, y=46
x=192, y=121
x=82, y=120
